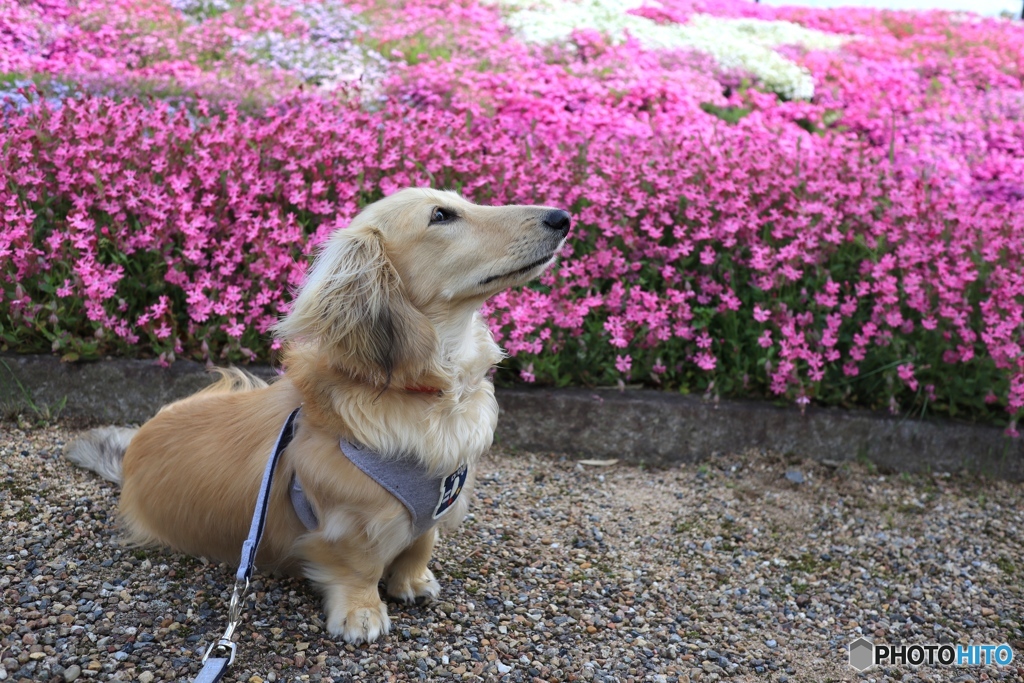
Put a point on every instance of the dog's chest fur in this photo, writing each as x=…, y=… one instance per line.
x=440, y=433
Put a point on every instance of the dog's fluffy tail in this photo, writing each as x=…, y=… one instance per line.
x=101, y=450
x=234, y=379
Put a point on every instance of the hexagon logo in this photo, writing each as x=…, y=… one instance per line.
x=862, y=654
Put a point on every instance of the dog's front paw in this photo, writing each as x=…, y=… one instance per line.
x=362, y=624
x=414, y=589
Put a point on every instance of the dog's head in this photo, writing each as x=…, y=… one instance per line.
x=411, y=269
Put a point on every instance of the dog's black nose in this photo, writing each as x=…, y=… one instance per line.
x=558, y=220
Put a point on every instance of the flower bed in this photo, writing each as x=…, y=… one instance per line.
x=173, y=164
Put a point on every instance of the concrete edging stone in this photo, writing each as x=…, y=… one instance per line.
x=635, y=426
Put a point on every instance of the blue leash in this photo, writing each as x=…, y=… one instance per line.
x=221, y=654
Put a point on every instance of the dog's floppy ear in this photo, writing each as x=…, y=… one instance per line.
x=354, y=308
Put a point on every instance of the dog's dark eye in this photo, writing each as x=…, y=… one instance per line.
x=442, y=216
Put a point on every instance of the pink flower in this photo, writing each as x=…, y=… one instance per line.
x=906, y=373
x=705, y=361
x=623, y=363
x=234, y=328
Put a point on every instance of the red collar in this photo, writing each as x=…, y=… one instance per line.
x=422, y=389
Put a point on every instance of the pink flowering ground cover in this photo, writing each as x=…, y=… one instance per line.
x=169, y=166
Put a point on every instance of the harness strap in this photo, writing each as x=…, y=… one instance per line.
x=214, y=668
x=300, y=503
x=259, y=516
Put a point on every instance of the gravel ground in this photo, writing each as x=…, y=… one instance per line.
x=748, y=567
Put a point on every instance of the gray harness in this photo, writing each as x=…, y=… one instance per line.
x=426, y=496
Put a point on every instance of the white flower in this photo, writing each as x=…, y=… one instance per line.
x=201, y=9
x=329, y=56
x=746, y=44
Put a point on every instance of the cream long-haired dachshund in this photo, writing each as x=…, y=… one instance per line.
x=389, y=358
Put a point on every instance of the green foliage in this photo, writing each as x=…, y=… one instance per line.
x=727, y=114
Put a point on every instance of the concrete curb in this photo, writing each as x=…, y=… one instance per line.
x=640, y=426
